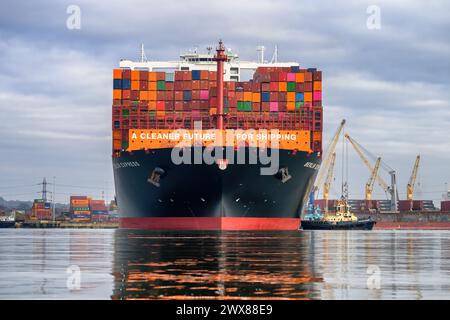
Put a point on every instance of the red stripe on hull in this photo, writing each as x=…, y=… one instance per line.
x=413, y=225
x=192, y=223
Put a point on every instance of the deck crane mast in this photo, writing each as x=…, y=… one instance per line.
x=326, y=162
x=392, y=189
x=370, y=183
x=328, y=180
x=412, y=179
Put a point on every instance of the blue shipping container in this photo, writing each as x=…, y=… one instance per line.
x=295, y=68
x=187, y=95
x=195, y=74
x=299, y=96
x=126, y=84
x=117, y=84
x=265, y=96
x=170, y=77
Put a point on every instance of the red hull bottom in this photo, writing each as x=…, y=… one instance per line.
x=413, y=225
x=192, y=223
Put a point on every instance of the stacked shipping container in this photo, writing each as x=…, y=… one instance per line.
x=41, y=210
x=99, y=211
x=79, y=208
x=278, y=98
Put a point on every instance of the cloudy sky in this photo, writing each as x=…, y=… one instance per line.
x=391, y=83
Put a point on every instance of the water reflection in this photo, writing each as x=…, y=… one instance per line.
x=210, y=265
x=122, y=264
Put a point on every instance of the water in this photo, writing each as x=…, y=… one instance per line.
x=119, y=264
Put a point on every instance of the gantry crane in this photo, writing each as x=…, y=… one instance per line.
x=328, y=180
x=370, y=183
x=412, y=179
x=392, y=189
x=326, y=162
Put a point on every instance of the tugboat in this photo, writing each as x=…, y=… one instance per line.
x=343, y=219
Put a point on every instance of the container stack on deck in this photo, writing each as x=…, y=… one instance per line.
x=276, y=97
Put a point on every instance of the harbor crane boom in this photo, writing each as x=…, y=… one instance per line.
x=328, y=180
x=392, y=189
x=412, y=179
x=370, y=183
x=326, y=161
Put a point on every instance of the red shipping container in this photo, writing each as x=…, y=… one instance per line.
x=160, y=95
x=196, y=105
x=178, y=95
x=212, y=75
x=160, y=105
x=126, y=74
x=179, y=104
x=134, y=95
x=169, y=86
x=187, y=85
x=187, y=76
x=274, y=96
x=204, y=104
x=274, y=77
x=186, y=105
x=143, y=75
x=195, y=94
x=143, y=85
x=317, y=75
x=445, y=205
x=160, y=76
x=308, y=76
x=195, y=84
x=204, y=75
x=308, y=86
x=282, y=76
x=169, y=106
x=126, y=94
x=178, y=76
x=265, y=106
x=204, y=85
x=265, y=86
x=178, y=85
x=274, y=86
x=300, y=87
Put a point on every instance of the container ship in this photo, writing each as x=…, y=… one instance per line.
x=197, y=148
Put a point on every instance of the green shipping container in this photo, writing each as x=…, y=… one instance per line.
x=125, y=112
x=160, y=85
x=298, y=105
x=124, y=144
x=291, y=86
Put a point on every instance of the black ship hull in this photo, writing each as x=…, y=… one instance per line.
x=7, y=224
x=323, y=225
x=154, y=193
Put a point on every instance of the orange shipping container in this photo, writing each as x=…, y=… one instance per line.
x=299, y=77
x=308, y=96
x=248, y=96
x=152, y=104
x=256, y=97
x=151, y=96
x=291, y=96
x=317, y=85
x=77, y=202
x=152, y=85
x=117, y=134
x=282, y=86
x=143, y=95
x=212, y=111
x=134, y=75
x=291, y=105
x=135, y=85
x=117, y=74
x=152, y=77
x=117, y=94
x=117, y=144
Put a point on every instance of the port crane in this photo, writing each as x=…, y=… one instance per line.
x=327, y=159
x=392, y=189
x=328, y=180
x=412, y=179
x=371, y=182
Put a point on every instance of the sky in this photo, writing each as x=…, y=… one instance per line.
x=390, y=83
